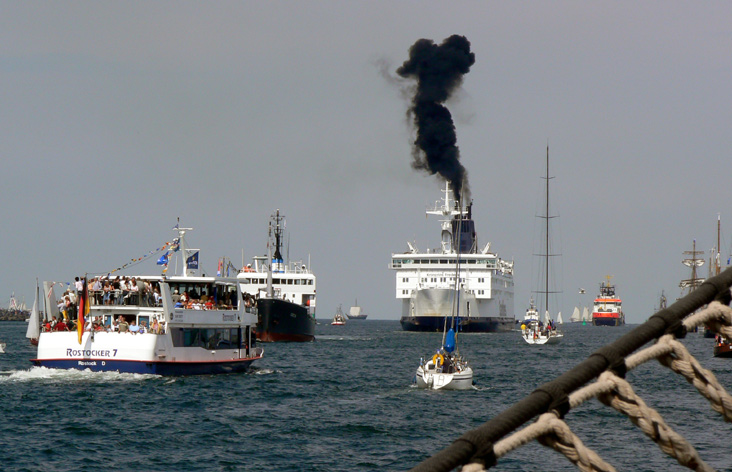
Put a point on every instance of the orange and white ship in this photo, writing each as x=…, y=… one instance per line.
x=607, y=310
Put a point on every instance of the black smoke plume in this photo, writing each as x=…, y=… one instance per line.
x=438, y=71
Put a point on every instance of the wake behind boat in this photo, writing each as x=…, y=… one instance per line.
x=282, y=295
x=425, y=281
x=166, y=325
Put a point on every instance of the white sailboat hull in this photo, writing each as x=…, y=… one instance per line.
x=434, y=379
x=532, y=337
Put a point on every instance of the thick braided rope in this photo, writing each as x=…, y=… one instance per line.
x=578, y=397
x=552, y=432
x=680, y=361
x=716, y=315
x=624, y=399
x=669, y=352
x=563, y=440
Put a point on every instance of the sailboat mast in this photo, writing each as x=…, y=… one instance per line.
x=546, y=252
x=717, y=262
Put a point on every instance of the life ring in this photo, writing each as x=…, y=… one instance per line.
x=440, y=357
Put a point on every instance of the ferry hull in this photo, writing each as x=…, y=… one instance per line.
x=466, y=325
x=283, y=321
x=137, y=354
x=148, y=367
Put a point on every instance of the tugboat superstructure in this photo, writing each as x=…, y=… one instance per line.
x=425, y=281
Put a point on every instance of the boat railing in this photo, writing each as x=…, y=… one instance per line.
x=480, y=448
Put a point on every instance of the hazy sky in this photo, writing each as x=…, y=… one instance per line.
x=116, y=118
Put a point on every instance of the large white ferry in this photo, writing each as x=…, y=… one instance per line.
x=425, y=281
x=282, y=294
x=167, y=325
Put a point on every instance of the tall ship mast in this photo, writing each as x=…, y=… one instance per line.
x=425, y=280
x=692, y=261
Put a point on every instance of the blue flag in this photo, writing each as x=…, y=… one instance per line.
x=163, y=259
x=192, y=261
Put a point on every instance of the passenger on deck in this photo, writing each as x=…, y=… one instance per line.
x=123, y=326
x=134, y=329
x=143, y=327
x=107, y=290
x=61, y=326
x=158, y=297
x=95, y=287
x=134, y=292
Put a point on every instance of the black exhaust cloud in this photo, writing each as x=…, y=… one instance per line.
x=438, y=71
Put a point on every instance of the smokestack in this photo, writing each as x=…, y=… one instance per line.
x=438, y=71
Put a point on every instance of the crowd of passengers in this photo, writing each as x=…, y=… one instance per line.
x=134, y=291
x=188, y=300
x=120, y=325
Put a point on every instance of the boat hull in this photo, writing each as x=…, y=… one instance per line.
x=137, y=354
x=433, y=380
x=283, y=321
x=148, y=367
x=542, y=339
x=608, y=321
x=722, y=350
x=466, y=325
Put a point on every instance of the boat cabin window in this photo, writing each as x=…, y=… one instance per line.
x=222, y=295
x=207, y=338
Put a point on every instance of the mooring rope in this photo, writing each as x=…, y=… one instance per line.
x=475, y=450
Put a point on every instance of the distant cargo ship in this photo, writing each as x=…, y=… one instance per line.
x=608, y=310
x=355, y=313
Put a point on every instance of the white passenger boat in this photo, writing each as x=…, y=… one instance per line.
x=425, y=280
x=174, y=325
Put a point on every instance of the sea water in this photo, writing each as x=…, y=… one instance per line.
x=345, y=402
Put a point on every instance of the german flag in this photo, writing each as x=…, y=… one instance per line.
x=84, y=309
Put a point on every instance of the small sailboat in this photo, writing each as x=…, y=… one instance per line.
x=447, y=369
x=532, y=330
x=576, y=317
x=338, y=318
x=34, y=322
x=586, y=316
